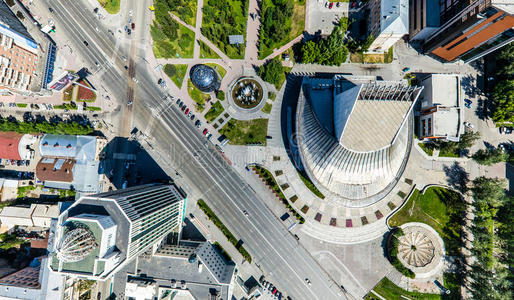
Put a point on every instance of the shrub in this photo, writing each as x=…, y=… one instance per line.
x=293, y=198
x=231, y=238
x=305, y=209
x=170, y=70
x=220, y=95
x=278, y=172
x=393, y=253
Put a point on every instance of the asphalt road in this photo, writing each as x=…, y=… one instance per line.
x=175, y=138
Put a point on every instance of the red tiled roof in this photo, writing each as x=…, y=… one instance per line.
x=9, y=145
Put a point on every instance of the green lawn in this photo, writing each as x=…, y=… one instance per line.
x=111, y=6
x=427, y=150
x=215, y=110
x=222, y=18
x=206, y=51
x=267, y=108
x=294, y=26
x=246, y=132
x=176, y=73
x=218, y=68
x=391, y=291
x=438, y=207
x=448, y=154
x=8, y=241
x=181, y=47
x=197, y=96
x=185, y=10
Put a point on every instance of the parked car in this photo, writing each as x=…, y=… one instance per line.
x=192, y=117
x=468, y=103
x=205, y=131
x=178, y=101
x=86, y=43
x=187, y=111
x=331, y=5
x=133, y=26
x=406, y=69
x=184, y=107
x=198, y=123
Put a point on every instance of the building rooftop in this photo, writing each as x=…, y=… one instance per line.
x=55, y=169
x=441, y=89
x=81, y=148
x=394, y=16
x=9, y=142
x=236, y=39
x=446, y=122
x=505, y=5
x=355, y=134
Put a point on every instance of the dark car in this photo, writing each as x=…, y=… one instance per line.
x=86, y=43
x=159, y=81
x=51, y=9
x=133, y=26
x=95, y=10
x=178, y=101
x=192, y=117
x=129, y=31
x=184, y=107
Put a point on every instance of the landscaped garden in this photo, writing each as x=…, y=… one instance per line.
x=222, y=18
x=170, y=38
x=440, y=208
x=184, y=9
x=428, y=150
x=67, y=95
x=246, y=132
x=221, y=71
x=215, y=110
x=391, y=291
x=281, y=22
x=273, y=72
x=111, y=6
x=199, y=97
x=176, y=73
x=206, y=51
x=380, y=58
x=267, y=108
x=85, y=92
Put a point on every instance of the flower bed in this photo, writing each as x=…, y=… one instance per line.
x=85, y=94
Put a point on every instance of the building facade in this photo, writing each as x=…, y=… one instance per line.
x=99, y=234
x=470, y=29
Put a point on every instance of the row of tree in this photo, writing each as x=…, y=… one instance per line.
x=502, y=108
x=492, y=246
x=331, y=51
x=71, y=128
x=164, y=21
x=275, y=22
x=466, y=141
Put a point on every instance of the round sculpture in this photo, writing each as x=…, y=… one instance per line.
x=76, y=245
x=204, y=78
x=416, y=248
x=247, y=93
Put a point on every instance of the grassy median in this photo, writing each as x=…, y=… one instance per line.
x=231, y=238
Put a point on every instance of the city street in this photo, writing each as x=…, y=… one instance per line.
x=174, y=138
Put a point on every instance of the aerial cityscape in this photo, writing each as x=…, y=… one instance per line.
x=256, y=149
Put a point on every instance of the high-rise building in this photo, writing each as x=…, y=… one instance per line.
x=99, y=234
x=470, y=29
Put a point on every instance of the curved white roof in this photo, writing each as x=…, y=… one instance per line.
x=363, y=154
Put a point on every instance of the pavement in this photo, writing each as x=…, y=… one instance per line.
x=172, y=142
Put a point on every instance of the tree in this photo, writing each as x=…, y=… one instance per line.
x=489, y=190
x=503, y=102
x=272, y=71
x=310, y=52
x=468, y=139
x=490, y=156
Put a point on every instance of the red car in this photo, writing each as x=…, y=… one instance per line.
x=133, y=26
x=205, y=131
x=187, y=111
x=331, y=5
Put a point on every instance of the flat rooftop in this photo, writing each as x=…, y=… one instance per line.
x=446, y=121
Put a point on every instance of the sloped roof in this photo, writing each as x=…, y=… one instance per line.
x=55, y=169
x=9, y=142
x=81, y=148
x=394, y=16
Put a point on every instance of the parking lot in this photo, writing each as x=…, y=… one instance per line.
x=323, y=18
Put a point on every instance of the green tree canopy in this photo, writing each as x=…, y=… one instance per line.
x=503, y=101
